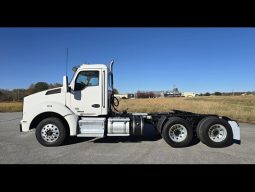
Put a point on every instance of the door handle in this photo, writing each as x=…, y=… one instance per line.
x=95, y=105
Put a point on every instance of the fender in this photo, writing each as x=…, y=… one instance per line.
x=55, y=107
x=31, y=113
x=235, y=130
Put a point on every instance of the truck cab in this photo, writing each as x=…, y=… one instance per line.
x=80, y=108
x=89, y=91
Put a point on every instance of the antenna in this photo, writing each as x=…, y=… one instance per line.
x=66, y=60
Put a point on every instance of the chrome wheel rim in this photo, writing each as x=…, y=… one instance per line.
x=178, y=133
x=217, y=133
x=50, y=133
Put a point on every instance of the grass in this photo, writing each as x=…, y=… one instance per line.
x=241, y=108
x=10, y=106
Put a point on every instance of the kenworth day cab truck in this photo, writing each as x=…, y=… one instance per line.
x=87, y=108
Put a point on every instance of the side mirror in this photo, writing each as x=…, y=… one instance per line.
x=74, y=69
x=65, y=84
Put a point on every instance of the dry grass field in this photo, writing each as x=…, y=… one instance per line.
x=241, y=108
x=10, y=106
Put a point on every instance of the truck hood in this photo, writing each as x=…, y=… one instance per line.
x=55, y=95
x=46, y=92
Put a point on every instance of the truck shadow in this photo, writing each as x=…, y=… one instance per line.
x=150, y=134
x=76, y=140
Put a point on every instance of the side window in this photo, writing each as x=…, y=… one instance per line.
x=86, y=79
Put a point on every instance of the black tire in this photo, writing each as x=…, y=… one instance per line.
x=203, y=132
x=195, y=140
x=200, y=124
x=60, y=126
x=165, y=132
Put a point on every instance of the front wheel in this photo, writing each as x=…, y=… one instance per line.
x=50, y=132
x=177, y=132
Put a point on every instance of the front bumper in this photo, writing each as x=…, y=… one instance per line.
x=24, y=126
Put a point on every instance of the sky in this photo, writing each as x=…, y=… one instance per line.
x=191, y=59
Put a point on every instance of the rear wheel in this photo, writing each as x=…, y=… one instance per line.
x=200, y=124
x=50, y=132
x=215, y=132
x=177, y=132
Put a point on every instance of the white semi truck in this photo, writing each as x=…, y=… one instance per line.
x=86, y=107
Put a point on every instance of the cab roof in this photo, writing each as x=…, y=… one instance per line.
x=93, y=66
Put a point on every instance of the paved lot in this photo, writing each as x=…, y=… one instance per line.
x=16, y=147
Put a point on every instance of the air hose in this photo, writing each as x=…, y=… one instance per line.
x=114, y=102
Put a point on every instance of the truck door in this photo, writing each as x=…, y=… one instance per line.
x=86, y=95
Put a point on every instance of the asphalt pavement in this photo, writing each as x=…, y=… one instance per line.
x=22, y=148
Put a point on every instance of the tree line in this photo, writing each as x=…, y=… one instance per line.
x=19, y=94
x=227, y=93
x=150, y=94
x=146, y=94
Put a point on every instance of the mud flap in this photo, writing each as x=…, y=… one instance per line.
x=236, y=131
